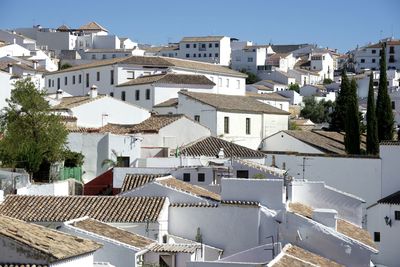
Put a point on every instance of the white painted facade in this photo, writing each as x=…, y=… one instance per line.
x=324, y=64
x=389, y=233
x=14, y=38
x=14, y=50
x=284, y=142
x=274, y=85
x=218, y=51
x=250, y=58
x=5, y=91
x=304, y=77
x=295, y=98
x=59, y=188
x=390, y=169
x=276, y=76
x=97, y=147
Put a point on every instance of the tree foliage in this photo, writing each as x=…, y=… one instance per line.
x=372, y=126
x=339, y=113
x=65, y=66
x=317, y=112
x=294, y=87
x=327, y=81
x=251, y=77
x=32, y=135
x=352, y=121
x=384, y=114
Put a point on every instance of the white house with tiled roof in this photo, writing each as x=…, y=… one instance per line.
x=212, y=49
x=240, y=119
x=5, y=86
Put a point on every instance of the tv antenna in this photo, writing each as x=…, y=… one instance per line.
x=304, y=165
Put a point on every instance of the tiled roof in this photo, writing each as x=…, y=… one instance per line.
x=202, y=39
x=210, y=146
x=240, y=203
x=103, y=208
x=74, y=101
x=55, y=245
x=92, y=26
x=391, y=199
x=234, y=103
x=108, y=231
x=379, y=45
x=268, y=96
x=74, y=129
x=287, y=48
x=155, y=61
x=151, y=125
x=327, y=142
x=264, y=168
x=294, y=256
x=343, y=226
x=168, y=103
x=194, y=205
x=132, y=181
x=8, y=264
x=189, y=188
x=262, y=87
x=175, y=248
x=390, y=143
x=306, y=72
x=109, y=50
x=63, y=28
x=170, y=78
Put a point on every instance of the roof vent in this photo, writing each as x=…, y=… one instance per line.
x=59, y=94
x=93, y=91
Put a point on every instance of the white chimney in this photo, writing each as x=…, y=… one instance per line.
x=327, y=217
x=59, y=94
x=10, y=69
x=35, y=64
x=14, y=41
x=221, y=153
x=93, y=91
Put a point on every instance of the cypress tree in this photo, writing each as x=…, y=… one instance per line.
x=352, y=121
x=338, y=115
x=372, y=127
x=384, y=114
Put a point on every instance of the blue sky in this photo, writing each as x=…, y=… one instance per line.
x=338, y=24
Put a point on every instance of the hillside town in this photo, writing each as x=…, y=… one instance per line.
x=208, y=152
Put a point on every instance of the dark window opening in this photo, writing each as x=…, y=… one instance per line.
x=242, y=174
x=377, y=236
x=186, y=177
x=201, y=177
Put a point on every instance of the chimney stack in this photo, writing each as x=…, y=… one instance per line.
x=327, y=217
x=59, y=94
x=93, y=91
x=35, y=64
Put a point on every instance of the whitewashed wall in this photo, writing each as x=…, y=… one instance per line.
x=60, y=188
x=390, y=168
x=5, y=91
x=284, y=142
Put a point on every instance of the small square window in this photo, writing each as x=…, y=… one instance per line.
x=209, y=45
x=201, y=177
x=362, y=60
x=187, y=55
x=397, y=215
x=194, y=55
x=216, y=54
x=199, y=55
x=187, y=45
x=377, y=236
x=217, y=45
x=373, y=51
x=197, y=118
x=186, y=177
x=194, y=45
x=210, y=55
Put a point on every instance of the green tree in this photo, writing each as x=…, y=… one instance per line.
x=294, y=87
x=65, y=66
x=372, y=126
x=352, y=121
x=32, y=135
x=384, y=114
x=116, y=161
x=251, y=77
x=317, y=112
x=338, y=115
x=327, y=81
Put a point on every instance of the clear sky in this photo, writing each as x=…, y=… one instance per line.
x=338, y=24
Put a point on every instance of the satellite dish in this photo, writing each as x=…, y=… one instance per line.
x=204, y=161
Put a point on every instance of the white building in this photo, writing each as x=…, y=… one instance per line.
x=5, y=86
x=304, y=77
x=276, y=86
x=96, y=54
x=368, y=57
x=318, y=92
x=294, y=97
x=212, y=49
x=239, y=119
x=108, y=74
x=251, y=58
x=14, y=50
x=322, y=63
x=272, y=99
x=11, y=37
x=281, y=61
x=384, y=225
x=97, y=110
x=25, y=244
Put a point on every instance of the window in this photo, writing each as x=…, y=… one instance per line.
x=197, y=118
x=205, y=55
x=65, y=80
x=391, y=59
x=80, y=78
x=58, y=83
x=52, y=83
x=112, y=94
x=93, y=56
x=227, y=82
x=226, y=125
x=186, y=177
x=362, y=60
x=216, y=54
x=111, y=76
x=187, y=45
x=391, y=50
x=49, y=83
x=377, y=236
x=194, y=55
x=73, y=79
x=249, y=59
x=203, y=46
x=147, y=94
x=397, y=215
x=219, y=81
x=114, y=56
x=237, y=84
x=248, y=125
x=201, y=177
x=137, y=95
x=199, y=55
x=123, y=96
x=216, y=45
x=104, y=56
x=123, y=161
x=187, y=55
x=98, y=76
x=194, y=45
x=87, y=80
x=210, y=55
x=209, y=45
x=373, y=60
x=393, y=105
x=373, y=51
x=242, y=174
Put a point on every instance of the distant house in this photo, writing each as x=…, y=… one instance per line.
x=26, y=244
x=303, y=124
x=294, y=97
x=5, y=92
x=273, y=99
x=274, y=85
x=318, y=92
x=240, y=119
x=281, y=61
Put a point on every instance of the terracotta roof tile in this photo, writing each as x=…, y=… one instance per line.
x=175, y=248
x=210, y=147
x=54, y=244
x=92, y=26
x=268, y=96
x=391, y=199
x=132, y=181
x=234, y=103
x=343, y=226
x=193, y=205
x=170, y=78
x=103, y=208
x=74, y=101
x=108, y=231
x=172, y=102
